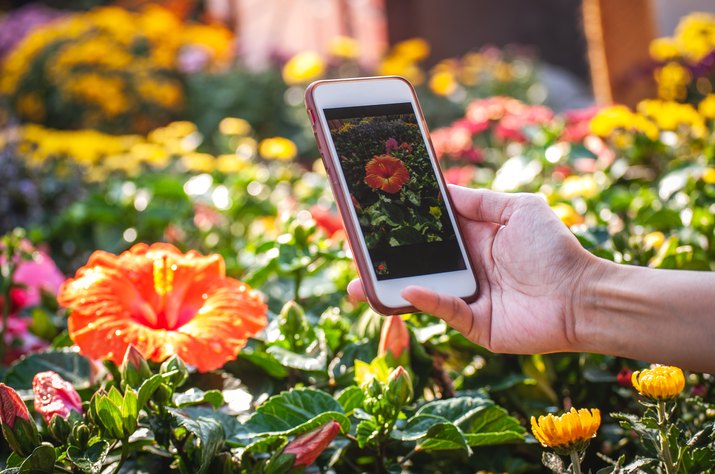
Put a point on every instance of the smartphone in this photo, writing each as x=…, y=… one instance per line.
x=389, y=190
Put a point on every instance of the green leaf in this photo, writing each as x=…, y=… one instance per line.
x=313, y=361
x=207, y=440
x=442, y=437
x=66, y=362
x=42, y=459
x=110, y=416
x=351, y=398
x=196, y=396
x=296, y=411
x=147, y=389
x=235, y=433
x=130, y=410
x=91, y=459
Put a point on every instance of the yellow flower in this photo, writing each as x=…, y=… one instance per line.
x=662, y=382
x=709, y=175
x=234, y=126
x=568, y=432
x=198, y=162
x=435, y=212
x=707, y=107
x=654, y=240
x=31, y=107
x=395, y=65
x=695, y=35
x=303, y=68
x=609, y=119
x=672, y=81
x=443, y=83
x=671, y=115
x=579, y=186
x=414, y=49
x=229, y=163
x=277, y=148
x=567, y=214
x=344, y=47
x=664, y=49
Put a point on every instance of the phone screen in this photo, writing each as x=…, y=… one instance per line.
x=394, y=190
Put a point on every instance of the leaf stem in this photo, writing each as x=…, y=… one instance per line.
x=407, y=456
x=575, y=462
x=123, y=456
x=664, y=445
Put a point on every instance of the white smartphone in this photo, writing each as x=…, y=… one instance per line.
x=389, y=189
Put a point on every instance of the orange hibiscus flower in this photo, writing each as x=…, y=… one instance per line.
x=163, y=302
x=387, y=173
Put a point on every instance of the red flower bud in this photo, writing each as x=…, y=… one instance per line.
x=54, y=396
x=11, y=406
x=624, y=377
x=307, y=447
x=394, y=338
x=17, y=426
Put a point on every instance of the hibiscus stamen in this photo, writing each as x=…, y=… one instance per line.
x=163, y=277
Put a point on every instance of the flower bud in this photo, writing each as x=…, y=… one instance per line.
x=162, y=395
x=134, y=367
x=394, y=341
x=624, y=377
x=54, y=396
x=174, y=363
x=308, y=446
x=399, y=387
x=292, y=322
x=80, y=435
x=17, y=426
x=59, y=428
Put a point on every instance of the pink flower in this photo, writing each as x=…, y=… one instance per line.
x=18, y=427
x=19, y=340
x=511, y=126
x=307, y=447
x=578, y=124
x=460, y=175
x=481, y=111
x=11, y=407
x=36, y=275
x=391, y=145
x=54, y=396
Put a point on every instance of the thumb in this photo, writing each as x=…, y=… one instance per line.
x=483, y=205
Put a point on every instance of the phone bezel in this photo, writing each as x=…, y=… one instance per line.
x=383, y=295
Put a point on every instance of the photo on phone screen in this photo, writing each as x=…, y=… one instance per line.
x=394, y=190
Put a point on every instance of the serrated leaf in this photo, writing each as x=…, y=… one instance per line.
x=208, y=437
x=92, y=459
x=351, y=398
x=66, y=362
x=296, y=411
x=196, y=396
x=42, y=459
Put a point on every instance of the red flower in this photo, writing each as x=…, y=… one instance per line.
x=329, y=221
x=307, y=447
x=54, y=396
x=387, y=173
x=511, y=126
x=406, y=146
x=163, y=302
x=18, y=427
x=624, y=377
x=394, y=338
x=578, y=123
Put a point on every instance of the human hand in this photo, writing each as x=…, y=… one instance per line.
x=529, y=268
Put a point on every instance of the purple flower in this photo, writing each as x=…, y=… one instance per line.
x=18, y=23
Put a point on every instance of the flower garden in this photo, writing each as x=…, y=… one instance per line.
x=173, y=270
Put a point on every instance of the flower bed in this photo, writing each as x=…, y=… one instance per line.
x=204, y=326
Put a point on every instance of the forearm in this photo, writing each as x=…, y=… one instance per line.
x=663, y=316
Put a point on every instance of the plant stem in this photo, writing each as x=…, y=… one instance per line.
x=8, y=273
x=298, y=281
x=123, y=457
x=575, y=462
x=664, y=445
x=407, y=456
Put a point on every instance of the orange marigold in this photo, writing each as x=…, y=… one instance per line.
x=163, y=302
x=387, y=173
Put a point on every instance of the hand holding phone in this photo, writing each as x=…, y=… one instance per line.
x=389, y=190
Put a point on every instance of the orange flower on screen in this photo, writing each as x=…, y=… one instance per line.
x=387, y=173
x=163, y=302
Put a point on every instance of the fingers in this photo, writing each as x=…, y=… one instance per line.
x=454, y=311
x=483, y=204
x=355, y=291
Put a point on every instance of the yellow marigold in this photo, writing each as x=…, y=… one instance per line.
x=670, y=115
x=609, y=119
x=664, y=49
x=230, y=163
x=672, y=81
x=414, y=49
x=277, y=148
x=695, y=35
x=579, y=186
x=567, y=214
x=662, y=382
x=215, y=39
x=234, y=126
x=395, y=65
x=707, y=107
x=443, y=83
x=344, y=47
x=198, y=162
x=31, y=107
x=303, y=68
x=568, y=432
